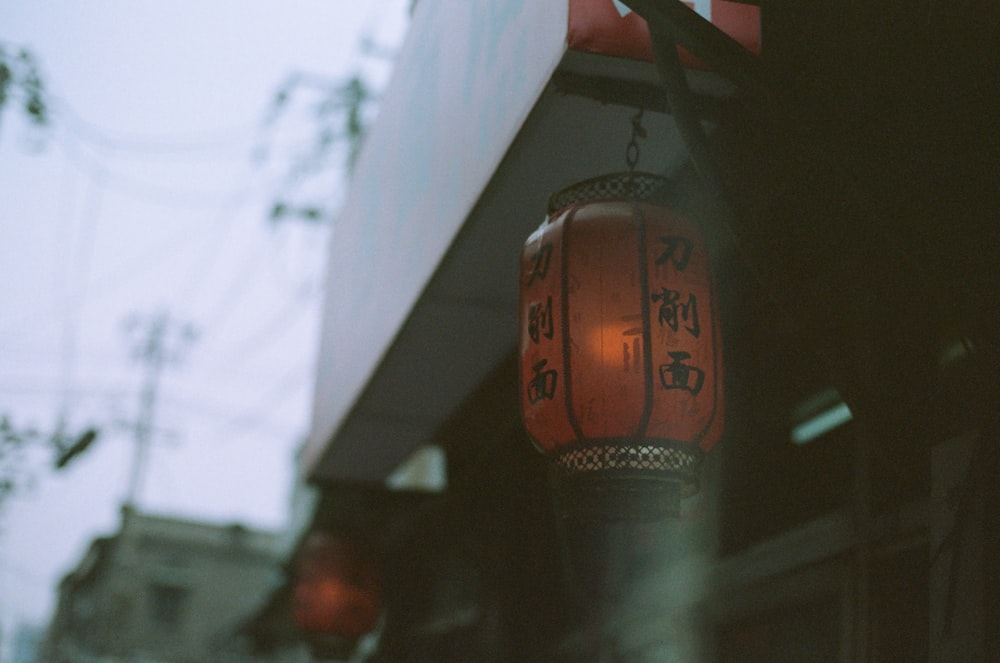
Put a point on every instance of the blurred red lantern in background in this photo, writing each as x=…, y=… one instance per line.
x=337, y=590
x=620, y=347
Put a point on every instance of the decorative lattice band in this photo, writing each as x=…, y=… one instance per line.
x=626, y=482
x=653, y=458
x=633, y=186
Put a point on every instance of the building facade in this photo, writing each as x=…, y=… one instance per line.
x=161, y=589
x=840, y=158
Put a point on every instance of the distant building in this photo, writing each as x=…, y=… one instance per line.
x=161, y=590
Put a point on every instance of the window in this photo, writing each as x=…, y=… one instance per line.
x=166, y=605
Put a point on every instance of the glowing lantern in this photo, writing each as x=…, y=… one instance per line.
x=337, y=595
x=620, y=350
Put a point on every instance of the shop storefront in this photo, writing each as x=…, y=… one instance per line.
x=838, y=161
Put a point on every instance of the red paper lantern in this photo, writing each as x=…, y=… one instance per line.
x=620, y=348
x=337, y=588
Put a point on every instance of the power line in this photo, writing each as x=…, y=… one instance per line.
x=155, y=255
x=90, y=391
x=225, y=222
x=279, y=324
x=280, y=392
x=76, y=294
x=152, y=145
x=237, y=288
x=222, y=414
x=137, y=188
x=227, y=416
x=282, y=273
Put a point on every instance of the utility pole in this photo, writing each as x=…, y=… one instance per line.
x=158, y=342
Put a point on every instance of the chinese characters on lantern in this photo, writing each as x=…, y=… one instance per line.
x=676, y=250
x=540, y=320
x=678, y=375
x=542, y=382
x=677, y=310
x=540, y=263
x=618, y=336
x=674, y=312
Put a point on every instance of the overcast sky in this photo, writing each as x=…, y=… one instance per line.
x=143, y=199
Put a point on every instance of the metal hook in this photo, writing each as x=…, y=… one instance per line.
x=632, y=149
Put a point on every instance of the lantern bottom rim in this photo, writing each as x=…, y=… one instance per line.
x=664, y=459
x=609, y=480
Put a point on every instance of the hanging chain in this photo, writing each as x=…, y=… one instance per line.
x=632, y=149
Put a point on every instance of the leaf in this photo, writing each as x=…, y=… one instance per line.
x=5, y=80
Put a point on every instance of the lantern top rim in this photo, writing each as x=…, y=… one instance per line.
x=632, y=186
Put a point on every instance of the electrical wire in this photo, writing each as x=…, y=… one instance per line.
x=222, y=227
x=127, y=274
x=238, y=288
x=87, y=390
x=137, y=188
x=280, y=392
x=233, y=140
x=282, y=273
x=279, y=324
x=77, y=144
x=230, y=418
x=76, y=299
